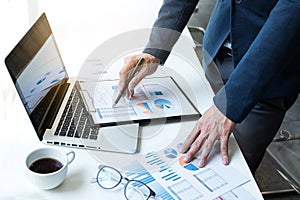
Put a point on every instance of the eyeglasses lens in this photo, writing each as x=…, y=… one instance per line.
x=136, y=191
x=109, y=178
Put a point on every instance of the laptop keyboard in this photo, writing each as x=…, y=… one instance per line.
x=74, y=121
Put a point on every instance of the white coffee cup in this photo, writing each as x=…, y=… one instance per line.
x=47, y=167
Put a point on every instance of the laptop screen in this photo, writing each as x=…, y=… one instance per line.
x=37, y=70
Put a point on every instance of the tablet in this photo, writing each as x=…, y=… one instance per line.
x=154, y=98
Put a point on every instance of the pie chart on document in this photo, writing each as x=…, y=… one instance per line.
x=170, y=153
x=163, y=104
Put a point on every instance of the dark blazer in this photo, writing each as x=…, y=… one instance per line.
x=265, y=37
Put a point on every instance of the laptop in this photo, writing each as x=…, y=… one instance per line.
x=53, y=101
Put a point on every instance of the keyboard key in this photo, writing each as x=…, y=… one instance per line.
x=77, y=134
x=70, y=133
x=94, y=131
x=93, y=137
x=57, y=131
x=62, y=133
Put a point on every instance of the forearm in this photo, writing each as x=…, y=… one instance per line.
x=172, y=18
x=273, y=48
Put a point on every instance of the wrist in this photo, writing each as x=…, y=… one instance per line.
x=152, y=58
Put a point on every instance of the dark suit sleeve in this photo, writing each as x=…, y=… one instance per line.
x=172, y=18
x=275, y=46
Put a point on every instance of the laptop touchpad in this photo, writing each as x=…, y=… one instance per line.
x=121, y=138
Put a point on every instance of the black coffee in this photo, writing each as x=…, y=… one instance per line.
x=45, y=166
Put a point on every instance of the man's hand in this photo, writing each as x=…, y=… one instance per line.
x=212, y=126
x=149, y=66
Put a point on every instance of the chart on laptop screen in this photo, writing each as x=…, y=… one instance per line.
x=40, y=74
x=153, y=98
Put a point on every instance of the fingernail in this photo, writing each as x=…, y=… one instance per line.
x=186, y=158
x=201, y=163
x=225, y=161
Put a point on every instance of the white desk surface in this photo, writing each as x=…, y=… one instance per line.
x=79, y=27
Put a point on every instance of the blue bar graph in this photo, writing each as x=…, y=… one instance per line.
x=167, y=173
x=138, y=172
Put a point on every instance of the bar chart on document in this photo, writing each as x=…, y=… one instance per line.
x=178, y=186
x=185, y=181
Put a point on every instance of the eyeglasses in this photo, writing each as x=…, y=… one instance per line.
x=109, y=178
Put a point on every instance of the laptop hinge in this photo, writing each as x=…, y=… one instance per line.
x=55, y=105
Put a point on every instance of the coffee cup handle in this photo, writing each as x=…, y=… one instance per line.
x=71, y=156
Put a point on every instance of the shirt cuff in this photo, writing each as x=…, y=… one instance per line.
x=221, y=102
x=158, y=53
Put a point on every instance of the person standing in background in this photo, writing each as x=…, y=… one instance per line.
x=251, y=58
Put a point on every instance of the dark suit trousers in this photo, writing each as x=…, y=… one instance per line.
x=257, y=130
